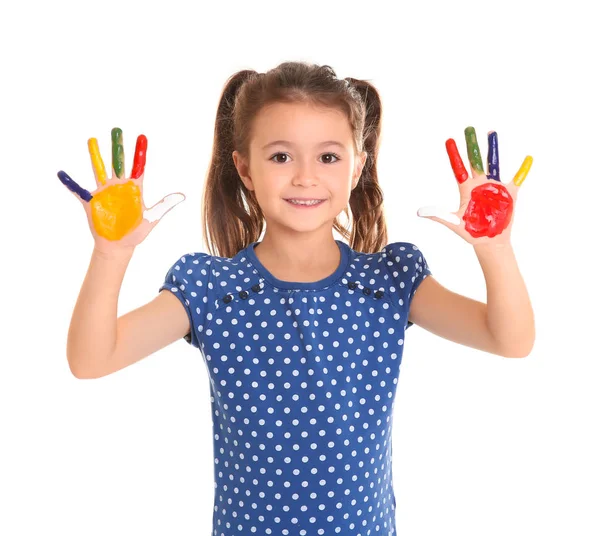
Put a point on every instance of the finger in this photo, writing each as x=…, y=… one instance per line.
x=139, y=160
x=74, y=187
x=439, y=213
x=456, y=161
x=162, y=207
x=97, y=163
x=473, y=150
x=523, y=171
x=118, y=156
x=493, y=162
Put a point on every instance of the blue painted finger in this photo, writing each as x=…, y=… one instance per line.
x=74, y=187
x=493, y=162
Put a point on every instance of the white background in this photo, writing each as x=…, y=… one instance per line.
x=481, y=444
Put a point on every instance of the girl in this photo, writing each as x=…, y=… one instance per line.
x=302, y=334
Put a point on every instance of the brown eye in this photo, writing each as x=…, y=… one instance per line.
x=276, y=155
x=285, y=154
x=334, y=155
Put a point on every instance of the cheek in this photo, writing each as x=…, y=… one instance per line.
x=344, y=191
x=264, y=200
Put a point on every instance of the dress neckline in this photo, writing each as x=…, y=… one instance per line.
x=300, y=285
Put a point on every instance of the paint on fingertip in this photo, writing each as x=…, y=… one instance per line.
x=74, y=187
x=473, y=149
x=493, y=161
x=161, y=208
x=139, y=160
x=97, y=163
x=440, y=213
x=523, y=171
x=118, y=157
x=460, y=173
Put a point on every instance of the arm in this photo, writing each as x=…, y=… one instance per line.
x=504, y=326
x=99, y=343
x=509, y=312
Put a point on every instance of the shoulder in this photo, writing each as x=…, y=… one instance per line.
x=195, y=264
x=401, y=249
x=407, y=268
x=189, y=279
x=406, y=265
x=396, y=260
x=396, y=266
x=194, y=258
x=404, y=257
x=191, y=275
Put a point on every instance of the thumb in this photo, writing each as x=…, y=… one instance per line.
x=449, y=219
x=156, y=212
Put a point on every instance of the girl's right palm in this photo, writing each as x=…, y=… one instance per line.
x=117, y=216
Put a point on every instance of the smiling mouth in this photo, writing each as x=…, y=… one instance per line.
x=305, y=202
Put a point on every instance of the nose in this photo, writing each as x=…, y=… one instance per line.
x=305, y=173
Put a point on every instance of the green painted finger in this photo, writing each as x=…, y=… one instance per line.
x=118, y=156
x=473, y=149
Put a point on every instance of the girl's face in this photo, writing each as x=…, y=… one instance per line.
x=301, y=151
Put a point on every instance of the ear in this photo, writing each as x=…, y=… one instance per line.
x=242, y=168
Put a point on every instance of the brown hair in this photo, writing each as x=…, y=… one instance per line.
x=232, y=216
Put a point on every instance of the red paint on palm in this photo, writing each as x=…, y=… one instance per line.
x=489, y=211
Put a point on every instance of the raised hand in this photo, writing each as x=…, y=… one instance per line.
x=116, y=212
x=485, y=214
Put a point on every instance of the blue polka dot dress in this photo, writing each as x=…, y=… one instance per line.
x=302, y=382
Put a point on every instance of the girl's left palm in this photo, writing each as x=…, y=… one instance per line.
x=487, y=205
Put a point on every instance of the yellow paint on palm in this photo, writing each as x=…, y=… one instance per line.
x=117, y=210
x=97, y=162
x=523, y=171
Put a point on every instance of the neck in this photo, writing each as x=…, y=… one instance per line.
x=306, y=258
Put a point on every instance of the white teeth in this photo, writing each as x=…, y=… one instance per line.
x=312, y=202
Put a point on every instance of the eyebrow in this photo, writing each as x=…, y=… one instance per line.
x=290, y=144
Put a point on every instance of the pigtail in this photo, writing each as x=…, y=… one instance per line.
x=230, y=224
x=369, y=229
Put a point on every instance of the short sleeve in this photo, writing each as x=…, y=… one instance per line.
x=189, y=280
x=408, y=268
